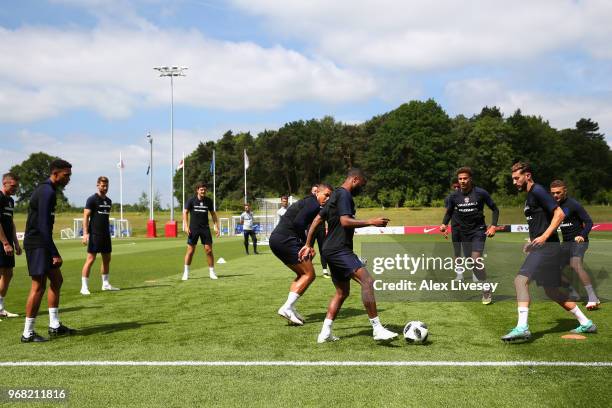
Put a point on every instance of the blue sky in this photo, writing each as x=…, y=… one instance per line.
x=77, y=80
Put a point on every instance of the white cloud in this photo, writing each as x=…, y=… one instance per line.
x=46, y=71
x=561, y=110
x=427, y=34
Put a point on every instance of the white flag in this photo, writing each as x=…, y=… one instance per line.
x=120, y=165
x=180, y=165
x=246, y=160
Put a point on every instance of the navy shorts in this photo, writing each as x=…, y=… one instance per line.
x=573, y=249
x=474, y=241
x=6, y=261
x=40, y=261
x=543, y=266
x=99, y=244
x=286, y=248
x=203, y=235
x=456, y=238
x=342, y=264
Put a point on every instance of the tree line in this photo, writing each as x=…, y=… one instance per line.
x=409, y=154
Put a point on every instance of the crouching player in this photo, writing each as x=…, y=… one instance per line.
x=342, y=261
x=286, y=241
x=542, y=263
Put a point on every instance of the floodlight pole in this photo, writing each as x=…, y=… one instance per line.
x=151, y=227
x=171, y=72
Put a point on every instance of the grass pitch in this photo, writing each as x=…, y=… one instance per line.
x=157, y=317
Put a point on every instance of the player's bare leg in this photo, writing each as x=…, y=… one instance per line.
x=105, y=270
x=362, y=276
x=56, y=328
x=85, y=272
x=305, y=275
x=210, y=258
x=576, y=264
x=6, y=274
x=188, y=259
x=37, y=290
x=586, y=325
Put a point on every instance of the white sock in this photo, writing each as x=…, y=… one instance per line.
x=291, y=299
x=523, y=314
x=105, y=279
x=325, y=271
x=84, y=283
x=582, y=319
x=186, y=270
x=375, y=322
x=1, y=303
x=327, y=323
x=474, y=277
x=54, y=322
x=211, y=269
x=29, y=326
x=589, y=289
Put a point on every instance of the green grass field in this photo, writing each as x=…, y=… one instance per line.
x=157, y=317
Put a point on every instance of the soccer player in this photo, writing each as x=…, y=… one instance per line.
x=320, y=235
x=246, y=219
x=468, y=204
x=9, y=244
x=542, y=263
x=575, y=230
x=96, y=235
x=284, y=205
x=195, y=215
x=343, y=263
x=43, y=259
x=286, y=241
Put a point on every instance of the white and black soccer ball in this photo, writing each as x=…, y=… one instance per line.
x=416, y=332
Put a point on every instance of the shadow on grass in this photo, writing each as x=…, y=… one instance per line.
x=221, y=276
x=73, y=309
x=143, y=287
x=562, y=326
x=344, y=313
x=114, y=327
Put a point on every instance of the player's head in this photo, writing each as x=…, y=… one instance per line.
x=102, y=185
x=284, y=201
x=10, y=183
x=521, y=175
x=247, y=207
x=323, y=193
x=314, y=188
x=60, y=171
x=355, y=181
x=201, y=189
x=464, y=178
x=558, y=189
x=455, y=185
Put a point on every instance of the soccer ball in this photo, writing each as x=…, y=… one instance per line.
x=415, y=332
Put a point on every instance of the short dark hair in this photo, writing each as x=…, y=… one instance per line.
x=464, y=170
x=59, y=164
x=325, y=185
x=523, y=167
x=102, y=179
x=558, y=183
x=199, y=185
x=355, y=172
x=10, y=175
x=284, y=197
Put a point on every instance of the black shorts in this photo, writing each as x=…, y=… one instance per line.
x=456, y=238
x=342, y=264
x=40, y=261
x=543, y=266
x=203, y=235
x=286, y=248
x=99, y=244
x=573, y=249
x=473, y=241
x=7, y=261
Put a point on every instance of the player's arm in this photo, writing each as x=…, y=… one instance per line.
x=557, y=219
x=348, y=222
x=587, y=223
x=8, y=248
x=450, y=208
x=86, y=217
x=307, y=249
x=186, y=220
x=16, y=241
x=216, y=226
x=495, y=216
x=44, y=224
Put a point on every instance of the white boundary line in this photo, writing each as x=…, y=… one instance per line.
x=309, y=363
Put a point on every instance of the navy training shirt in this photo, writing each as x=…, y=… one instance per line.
x=7, y=206
x=469, y=209
x=298, y=217
x=539, y=209
x=100, y=208
x=338, y=237
x=576, y=222
x=41, y=217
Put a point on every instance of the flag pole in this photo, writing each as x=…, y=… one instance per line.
x=214, y=168
x=183, y=206
x=120, y=186
x=245, y=169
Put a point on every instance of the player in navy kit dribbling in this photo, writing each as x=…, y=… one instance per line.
x=195, y=215
x=9, y=244
x=575, y=230
x=96, y=235
x=542, y=263
x=467, y=204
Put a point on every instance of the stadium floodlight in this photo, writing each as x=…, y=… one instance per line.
x=171, y=72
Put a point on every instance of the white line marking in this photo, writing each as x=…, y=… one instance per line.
x=311, y=363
